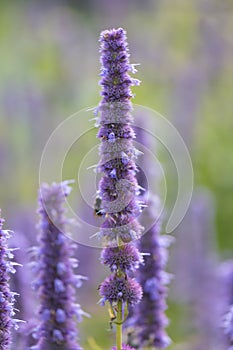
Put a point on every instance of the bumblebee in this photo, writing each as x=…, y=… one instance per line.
x=97, y=206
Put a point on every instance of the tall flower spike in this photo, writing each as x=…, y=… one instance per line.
x=148, y=318
x=147, y=321
x=118, y=187
x=7, y=297
x=56, y=280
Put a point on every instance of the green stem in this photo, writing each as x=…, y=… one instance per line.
x=119, y=326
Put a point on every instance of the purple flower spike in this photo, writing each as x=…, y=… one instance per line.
x=118, y=187
x=7, y=297
x=56, y=280
x=149, y=317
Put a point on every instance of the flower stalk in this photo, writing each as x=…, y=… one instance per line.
x=119, y=326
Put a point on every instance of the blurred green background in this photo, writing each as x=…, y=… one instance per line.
x=50, y=69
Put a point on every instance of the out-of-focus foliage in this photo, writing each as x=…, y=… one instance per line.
x=49, y=70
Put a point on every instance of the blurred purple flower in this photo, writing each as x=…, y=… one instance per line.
x=226, y=279
x=147, y=321
x=148, y=318
x=225, y=272
x=56, y=280
x=228, y=327
x=197, y=285
x=7, y=297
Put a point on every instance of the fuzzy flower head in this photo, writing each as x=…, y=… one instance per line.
x=126, y=258
x=56, y=280
x=115, y=289
x=7, y=297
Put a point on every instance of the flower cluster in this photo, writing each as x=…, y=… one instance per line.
x=7, y=297
x=56, y=280
x=127, y=258
x=115, y=288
